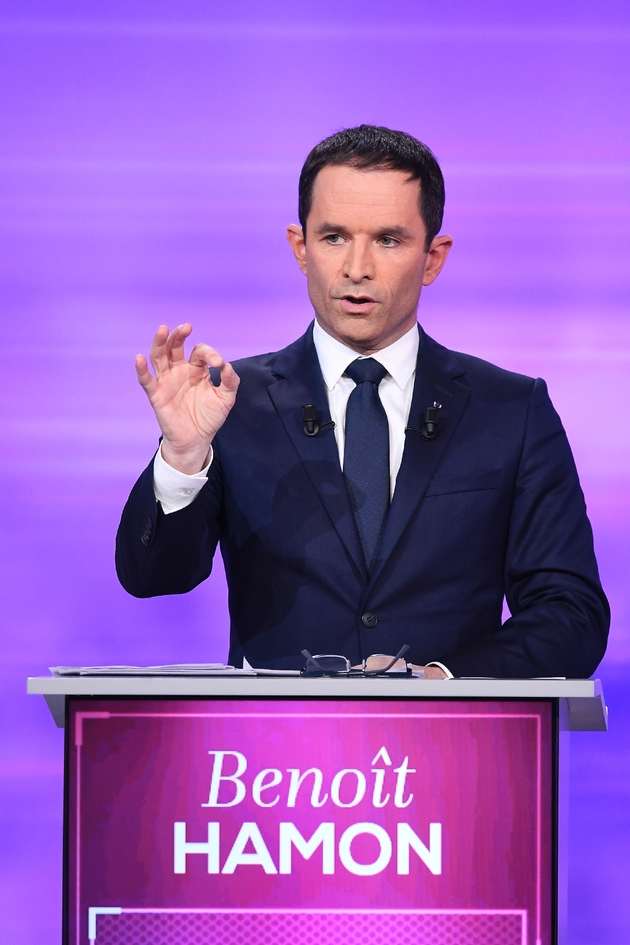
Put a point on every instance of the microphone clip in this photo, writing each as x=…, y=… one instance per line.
x=310, y=419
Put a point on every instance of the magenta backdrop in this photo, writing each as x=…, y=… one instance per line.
x=148, y=155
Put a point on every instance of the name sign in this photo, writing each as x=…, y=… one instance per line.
x=309, y=821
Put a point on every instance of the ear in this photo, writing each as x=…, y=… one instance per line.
x=297, y=241
x=436, y=257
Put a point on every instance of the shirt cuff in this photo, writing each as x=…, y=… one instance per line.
x=173, y=489
x=441, y=666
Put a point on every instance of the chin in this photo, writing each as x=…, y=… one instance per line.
x=358, y=332
x=361, y=344
x=358, y=326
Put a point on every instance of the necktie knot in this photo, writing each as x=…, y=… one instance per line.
x=366, y=369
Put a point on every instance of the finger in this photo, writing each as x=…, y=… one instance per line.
x=203, y=355
x=175, y=342
x=145, y=377
x=158, y=353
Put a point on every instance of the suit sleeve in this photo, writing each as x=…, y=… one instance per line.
x=160, y=554
x=560, y=615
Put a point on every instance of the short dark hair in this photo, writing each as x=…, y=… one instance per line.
x=375, y=147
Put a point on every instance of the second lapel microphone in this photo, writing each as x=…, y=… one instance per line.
x=311, y=420
x=428, y=421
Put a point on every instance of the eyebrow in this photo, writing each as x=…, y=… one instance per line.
x=400, y=231
x=396, y=231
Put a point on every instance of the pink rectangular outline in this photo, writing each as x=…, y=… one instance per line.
x=163, y=911
x=80, y=716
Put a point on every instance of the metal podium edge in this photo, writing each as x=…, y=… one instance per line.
x=587, y=711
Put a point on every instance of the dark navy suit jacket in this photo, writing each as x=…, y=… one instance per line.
x=491, y=506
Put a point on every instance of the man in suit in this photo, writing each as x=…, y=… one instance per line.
x=368, y=487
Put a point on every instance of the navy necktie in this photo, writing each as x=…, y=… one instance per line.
x=366, y=454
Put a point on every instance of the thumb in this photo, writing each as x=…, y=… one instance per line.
x=229, y=378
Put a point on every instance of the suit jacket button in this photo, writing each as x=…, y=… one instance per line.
x=369, y=620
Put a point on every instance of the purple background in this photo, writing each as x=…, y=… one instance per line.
x=149, y=155
x=477, y=776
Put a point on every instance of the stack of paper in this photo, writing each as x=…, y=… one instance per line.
x=177, y=669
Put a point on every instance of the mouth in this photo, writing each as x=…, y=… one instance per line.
x=356, y=303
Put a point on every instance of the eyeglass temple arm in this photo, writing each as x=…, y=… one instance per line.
x=311, y=659
x=392, y=662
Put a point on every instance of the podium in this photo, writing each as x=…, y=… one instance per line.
x=273, y=810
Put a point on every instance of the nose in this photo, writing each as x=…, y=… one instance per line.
x=358, y=262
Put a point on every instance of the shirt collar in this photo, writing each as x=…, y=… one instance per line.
x=399, y=358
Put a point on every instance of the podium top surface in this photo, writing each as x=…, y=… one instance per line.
x=583, y=697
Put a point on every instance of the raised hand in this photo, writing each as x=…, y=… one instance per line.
x=188, y=407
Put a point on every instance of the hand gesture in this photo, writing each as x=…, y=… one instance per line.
x=188, y=407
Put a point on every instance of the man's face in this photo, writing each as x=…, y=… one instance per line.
x=364, y=256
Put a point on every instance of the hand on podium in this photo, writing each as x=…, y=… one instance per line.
x=382, y=660
x=431, y=672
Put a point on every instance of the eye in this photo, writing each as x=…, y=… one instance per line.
x=388, y=241
x=334, y=239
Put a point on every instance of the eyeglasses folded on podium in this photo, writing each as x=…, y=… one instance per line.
x=379, y=664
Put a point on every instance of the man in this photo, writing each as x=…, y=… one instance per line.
x=368, y=487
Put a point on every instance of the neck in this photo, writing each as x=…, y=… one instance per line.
x=368, y=347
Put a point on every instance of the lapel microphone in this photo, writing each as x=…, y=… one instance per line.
x=311, y=421
x=428, y=421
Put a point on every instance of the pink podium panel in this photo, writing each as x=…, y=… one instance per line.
x=314, y=821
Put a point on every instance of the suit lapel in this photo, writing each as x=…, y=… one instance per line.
x=435, y=381
x=299, y=381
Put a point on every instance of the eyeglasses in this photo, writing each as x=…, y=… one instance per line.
x=334, y=665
